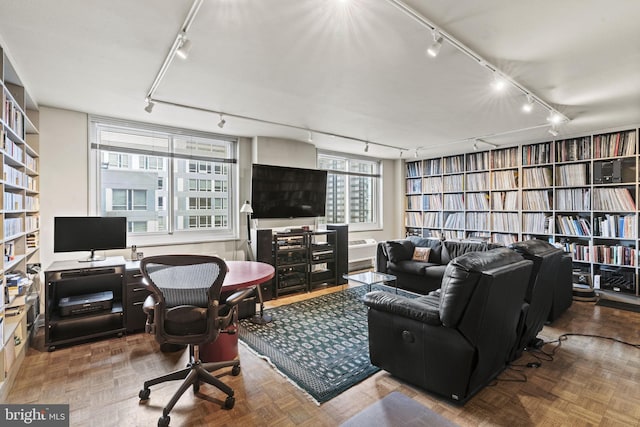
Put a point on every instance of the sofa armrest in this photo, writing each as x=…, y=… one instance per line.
x=381, y=258
x=422, y=309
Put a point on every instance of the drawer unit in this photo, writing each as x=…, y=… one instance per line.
x=135, y=294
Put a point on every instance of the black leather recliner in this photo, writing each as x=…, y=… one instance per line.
x=547, y=261
x=455, y=342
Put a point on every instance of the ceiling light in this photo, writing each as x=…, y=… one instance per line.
x=416, y=154
x=401, y=152
x=475, y=146
x=499, y=83
x=527, y=107
x=310, y=137
x=222, y=122
x=184, y=47
x=149, y=107
x=554, y=132
x=366, y=147
x=434, y=49
x=554, y=117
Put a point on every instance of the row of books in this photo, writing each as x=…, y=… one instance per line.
x=478, y=181
x=452, y=183
x=578, y=199
x=504, y=201
x=477, y=221
x=455, y=221
x=505, y=221
x=433, y=184
x=414, y=186
x=413, y=219
x=604, y=254
x=31, y=162
x=13, y=176
x=536, y=154
x=432, y=167
x=13, y=226
x=569, y=150
x=504, y=239
x=32, y=222
x=537, y=177
x=504, y=179
x=12, y=115
x=536, y=200
x=612, y=225
x=537, y=223
x=571, y=225
x=12, y=201
x=478, y=161
x=506, y=158
x=571, y=175
x=617, y=199
x=454, y=164
x=477, y=201
x=13, y=150
x=414, y=169
x=454, y=202
x=414, y=203
x=614, y=144
x=432, y=220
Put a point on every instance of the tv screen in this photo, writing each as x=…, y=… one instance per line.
x=89, y=233
x=285, y=192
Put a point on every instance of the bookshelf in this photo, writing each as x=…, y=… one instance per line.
x=19, y=229
x=579, y=193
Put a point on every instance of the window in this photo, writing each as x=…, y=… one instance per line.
x=161, y=177
x=353, y=190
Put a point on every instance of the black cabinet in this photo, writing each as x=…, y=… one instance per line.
x=83, y=301
x=135, y=294
x=291, y=254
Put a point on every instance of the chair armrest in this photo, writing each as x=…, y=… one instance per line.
x=235, y=298
x=381, y=258
x=420, y=310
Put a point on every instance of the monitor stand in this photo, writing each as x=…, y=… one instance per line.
x=93, y=257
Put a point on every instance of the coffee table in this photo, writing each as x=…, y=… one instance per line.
x=370, y=278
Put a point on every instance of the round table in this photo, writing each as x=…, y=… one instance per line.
x=240, y=275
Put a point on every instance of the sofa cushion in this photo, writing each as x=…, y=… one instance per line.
x=399, y=250
x=453, y=248
x=412, y=267
x=421, y=254
x=435, y=245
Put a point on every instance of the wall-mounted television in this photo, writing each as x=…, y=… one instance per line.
x=89, y=233
x=286, y=192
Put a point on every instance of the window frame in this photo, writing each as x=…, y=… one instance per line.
x=377, y=176
x=170, y=236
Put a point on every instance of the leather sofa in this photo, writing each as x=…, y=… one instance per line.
x=454, y=342
x=396, y=257
x=547, y=260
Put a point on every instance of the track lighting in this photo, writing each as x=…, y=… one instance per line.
x=527, y=107
x=366, y=147
x=310, y=137
x=499, y=83
x=475, y=146
x=222, y=122
x=554, y=118
x=415, y=154
x=149, y=107
x=554, y=132
x=434, y=49
x=184, y=47
x=401, y=152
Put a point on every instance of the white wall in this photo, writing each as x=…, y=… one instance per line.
x=65, y=186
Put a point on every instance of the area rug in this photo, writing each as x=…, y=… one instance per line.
x=321, y=344
x=396, y=409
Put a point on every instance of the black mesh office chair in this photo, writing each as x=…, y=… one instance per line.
x=185, y=308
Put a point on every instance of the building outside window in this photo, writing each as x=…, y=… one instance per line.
x=164, y=180
x=353, y=190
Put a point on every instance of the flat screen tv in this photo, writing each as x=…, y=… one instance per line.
x=286, y=192
x=89, y=233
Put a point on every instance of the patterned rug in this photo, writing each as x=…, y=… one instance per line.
x=320, y=344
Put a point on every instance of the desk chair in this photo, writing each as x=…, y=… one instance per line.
x=184, y=308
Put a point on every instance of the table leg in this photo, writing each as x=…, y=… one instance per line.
x=261, y=319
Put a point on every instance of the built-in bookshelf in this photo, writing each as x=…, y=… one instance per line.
x=579, y=193
x=20, y=225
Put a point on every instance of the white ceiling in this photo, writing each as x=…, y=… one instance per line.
x=355, y=68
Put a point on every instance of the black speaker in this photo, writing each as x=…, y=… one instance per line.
x=341, y=241
x=262, y=243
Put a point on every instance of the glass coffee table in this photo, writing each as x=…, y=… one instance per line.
x=370, y=278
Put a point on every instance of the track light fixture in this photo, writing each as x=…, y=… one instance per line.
x=475, y=145
x=222, y=122
x=401, y=152
x=476, y=141
x=527, y=107
x=184, y=46
x=554, y=117
x=553, y=131
x=499, y=83
x=434, y=49
x=366, y=147
x=310, y=137
x=415, y=154
x=149, y=107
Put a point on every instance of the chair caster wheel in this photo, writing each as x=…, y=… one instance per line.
x=164, y=421
x=144, y=394
x=229, y=402
x=235, y=371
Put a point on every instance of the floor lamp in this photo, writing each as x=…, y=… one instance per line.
x=261, y=318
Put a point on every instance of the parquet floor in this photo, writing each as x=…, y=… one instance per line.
x=589, y=382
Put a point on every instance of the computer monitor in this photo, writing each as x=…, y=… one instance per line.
x=89, y=233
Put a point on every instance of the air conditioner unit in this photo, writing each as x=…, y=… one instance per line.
x=362, y=254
